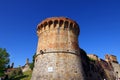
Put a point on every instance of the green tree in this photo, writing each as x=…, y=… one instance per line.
x=33, y=61
x=4, y=60
x=16, y=73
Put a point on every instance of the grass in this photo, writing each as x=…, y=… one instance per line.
x=27, y=75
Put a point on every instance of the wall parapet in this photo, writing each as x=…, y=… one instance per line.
x=57, y=22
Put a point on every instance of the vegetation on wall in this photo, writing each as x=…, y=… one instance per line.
x=91, y=59
x=33, y=61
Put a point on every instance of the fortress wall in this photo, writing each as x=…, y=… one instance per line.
x=116, y=67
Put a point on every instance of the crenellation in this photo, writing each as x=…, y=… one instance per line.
x=62, y=23
x=111, y=58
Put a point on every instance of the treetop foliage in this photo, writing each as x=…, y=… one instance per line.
x=4, y=60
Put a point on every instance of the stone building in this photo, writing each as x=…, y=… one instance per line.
x=26, y=67
x=58, y=56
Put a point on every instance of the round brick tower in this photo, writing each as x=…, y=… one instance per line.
x=58, y=55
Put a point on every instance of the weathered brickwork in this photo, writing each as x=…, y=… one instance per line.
x=58, y=56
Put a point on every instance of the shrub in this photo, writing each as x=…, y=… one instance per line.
x=15, y=73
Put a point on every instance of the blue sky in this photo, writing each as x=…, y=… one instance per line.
x=99, y=22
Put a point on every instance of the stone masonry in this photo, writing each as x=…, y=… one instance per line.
x=58, y=55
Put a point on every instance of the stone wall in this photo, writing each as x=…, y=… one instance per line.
x=108, y=69
x=116, y=67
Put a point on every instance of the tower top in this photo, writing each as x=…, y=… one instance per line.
x=61, y=21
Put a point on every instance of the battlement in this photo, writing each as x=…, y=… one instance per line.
x=57, y=22
x=93, y=56
x=111, y=58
